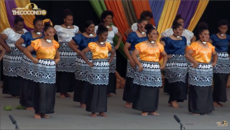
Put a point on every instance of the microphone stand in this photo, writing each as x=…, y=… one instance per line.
x=182, y=127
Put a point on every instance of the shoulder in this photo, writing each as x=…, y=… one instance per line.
x=58, y=28
x=210, y=45
x=7, y=31
x=56, y=44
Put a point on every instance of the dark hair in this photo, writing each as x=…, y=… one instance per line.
x=47, y=26
x=36, y=20
x=145, y=14
x=88, y=23
x=177, y=18
x=176, y=25
x=67, y=12
x=149, y=28
x=101, y=29
x=105, y=13
x=18, y=19
x=223, y=22
x=141, y=20
x=201, y=27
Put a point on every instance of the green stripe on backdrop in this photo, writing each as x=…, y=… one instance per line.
x=99, y=7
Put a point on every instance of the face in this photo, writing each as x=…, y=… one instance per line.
x=178, y=31
x=148, y=19
x=49, y=33
x=141, y=26
x=68, y=20
x=204, y=36
x=108, y=19
x=103, y=36
x=181, y=21
x=223, y=29
x=153, y=35
x=38, y=26
x=19, y=26
x=90, y=29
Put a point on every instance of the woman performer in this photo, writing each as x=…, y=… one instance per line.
x=148, y=77
x=82, y=40
x=47, y=56
x=99, y=74
x=27, y=82
x=12, y=59
x=2, y=52
x=222, y=69
x=199, y=53
x=133, y=38
x=176, y=67
x=107, y=19
x=144, y=15
x=66, y=67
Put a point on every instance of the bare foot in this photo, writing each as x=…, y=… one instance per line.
x=220, y=104
x=154, y=113
x=37, y=116
x=30, y=109
x=128, y=105
x=109, y=95
x=93, y=115
x=144, y=114
x=216, y=104
x=62, y=96
x=102, y=114
x=44, y=116
x=170, y=104
x=174, y=104
x=83, y=105
x=68, y=95
x=195, y=114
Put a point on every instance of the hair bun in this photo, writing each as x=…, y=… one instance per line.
x=202, y=26
x=101, y=26
x=47, y=24
x=149, y=26
x=17, y=16
x=178, y=16
x=67, y=11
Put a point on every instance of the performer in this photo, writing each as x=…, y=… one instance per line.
x=107, y=19
x=66, y=67
x=133, y=38
x=222, y=69
x=99, y=74
x=82, y=40
x=144, y=15
x=148, y=77
x=27, y=82
x=2, y=52
x=199, y=53
x=12, y=59
x=176, y=67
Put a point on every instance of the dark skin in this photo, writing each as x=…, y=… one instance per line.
x=102, y=38
x=2, y=50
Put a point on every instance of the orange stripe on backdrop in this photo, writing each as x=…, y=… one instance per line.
x=141, y=6
x=3, y=19
x=119, y=19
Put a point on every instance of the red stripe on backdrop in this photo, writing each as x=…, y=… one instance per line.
x=119, y=19
x=141, y=6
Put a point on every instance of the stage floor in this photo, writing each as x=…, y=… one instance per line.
x=68, y=115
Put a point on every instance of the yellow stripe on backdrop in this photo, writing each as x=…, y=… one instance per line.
x=3, y=16
x=28, y=19
x=199, y=11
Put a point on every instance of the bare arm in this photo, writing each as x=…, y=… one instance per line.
x=4, y=45
x=193, y=39
x=27, y=51
x=214, y=55
x=119, y=40
x=112, y=55
x=19, y=43
x=2, y=50
x=82, y=53
x=57, y=57
x=128, y=32
x=165, y=58
x=188, y=55
x=163, y=43
x=134, y=57
x=74, y=47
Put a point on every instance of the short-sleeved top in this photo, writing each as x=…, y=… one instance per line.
x=201, y=54
x=44, y=52
x=28, y=37
x=175, y=46
x=149, y=54
x=12, y=36
x=83, y=41
x=133, y=39
x=99, y=52
x=134, y=27
x=111, y=34
x=64, y=34
x=186, y=33
x=221, y=45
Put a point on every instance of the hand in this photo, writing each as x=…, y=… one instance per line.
x=213, y=64
x=195, y=64
x=169, y=56
x=116, y=47
x=162, y=67
x=56, y=61
x=132, y=63
x=140, y=67
x=90, y=64
x=8, y=50
x=35, y=60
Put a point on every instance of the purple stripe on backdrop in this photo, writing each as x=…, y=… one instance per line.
x=187, y=10
x=10, y=5
x=156, y=7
